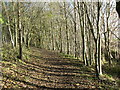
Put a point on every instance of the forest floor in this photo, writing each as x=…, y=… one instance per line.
x=48, y=70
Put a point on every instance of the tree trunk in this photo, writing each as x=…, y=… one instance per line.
x=99, y=56
x=75, y=29
x=66, y=27
x=20, y=31
x=81, y=20
x=9, y=27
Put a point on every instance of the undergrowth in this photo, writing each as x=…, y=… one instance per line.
x=9, y=53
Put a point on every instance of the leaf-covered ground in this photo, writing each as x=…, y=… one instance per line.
x=47, y=70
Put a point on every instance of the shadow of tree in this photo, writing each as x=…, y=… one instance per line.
x=66, y=71
x=38, y=87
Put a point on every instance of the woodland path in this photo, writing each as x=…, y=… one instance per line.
x=47, y=70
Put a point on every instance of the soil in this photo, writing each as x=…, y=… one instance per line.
x=48, y=70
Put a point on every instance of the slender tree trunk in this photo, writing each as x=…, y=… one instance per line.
x=75, y=28
x=105, y=53
x=11, y=37
x=98, y=43
x=107, y=43
x=119, y=40
x=60, y=40
x=81, y=19
x=99, y=56
x=96, y=40
x=53, y=47
x=20, y=31
x=15, y=25
x=16, y=33
x=9, y=26
x=90, y=51
x=96, y=59
x=66, y=27
x=108, y=47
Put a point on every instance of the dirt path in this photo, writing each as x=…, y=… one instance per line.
x=49, y=70
x=61, y=72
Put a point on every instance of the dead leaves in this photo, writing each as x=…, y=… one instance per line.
x=48, y=69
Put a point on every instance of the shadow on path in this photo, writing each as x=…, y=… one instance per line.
x=48, y=70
